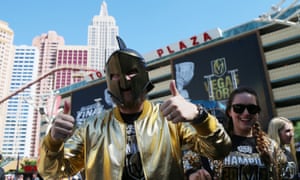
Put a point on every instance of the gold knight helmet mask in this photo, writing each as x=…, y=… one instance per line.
x=123, y=62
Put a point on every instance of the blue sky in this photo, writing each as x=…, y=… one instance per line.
x=143, y=25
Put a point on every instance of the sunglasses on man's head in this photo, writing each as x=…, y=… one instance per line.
x=240, y=108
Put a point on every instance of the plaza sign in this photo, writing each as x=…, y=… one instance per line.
x=184, y=44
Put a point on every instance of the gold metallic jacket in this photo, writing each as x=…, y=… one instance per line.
x=99, y=146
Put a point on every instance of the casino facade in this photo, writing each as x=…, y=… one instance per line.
x=263, y=54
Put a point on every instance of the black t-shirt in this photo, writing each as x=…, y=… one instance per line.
x=290, y=171
x=244, y=161
x=133, y=169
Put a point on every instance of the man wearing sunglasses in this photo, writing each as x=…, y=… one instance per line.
x=253, y=154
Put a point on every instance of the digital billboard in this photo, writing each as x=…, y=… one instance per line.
x=209, y=75
x=89, y=101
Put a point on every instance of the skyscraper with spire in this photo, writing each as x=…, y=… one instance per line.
x=101, y=38
x=48, y=52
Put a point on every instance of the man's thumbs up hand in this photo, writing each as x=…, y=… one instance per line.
x=63, y=125
x=176, y=108
x=173, y=88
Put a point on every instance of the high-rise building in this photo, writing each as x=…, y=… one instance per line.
x=74, y=60
x=101, y=38
x=20, y=127
x=47, y=45
x=6, y=59
x=70, y=67
x=56, y=66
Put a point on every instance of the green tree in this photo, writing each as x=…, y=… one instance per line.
x=297, y=132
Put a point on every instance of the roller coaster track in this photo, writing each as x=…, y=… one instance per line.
x=61, y=68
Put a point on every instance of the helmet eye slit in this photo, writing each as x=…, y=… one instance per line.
x=115, y=77
x=132, y=73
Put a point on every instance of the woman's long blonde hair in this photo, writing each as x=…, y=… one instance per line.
x=275, y=126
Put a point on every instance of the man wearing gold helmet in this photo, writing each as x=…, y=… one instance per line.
x=136, y=139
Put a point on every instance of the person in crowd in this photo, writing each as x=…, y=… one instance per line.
x=254, y=155
x=136, y=139
x=21, y=177
x=200, y=174
x=196, y=166
x=281, y=130
x=2, y=173
x=35, y=176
